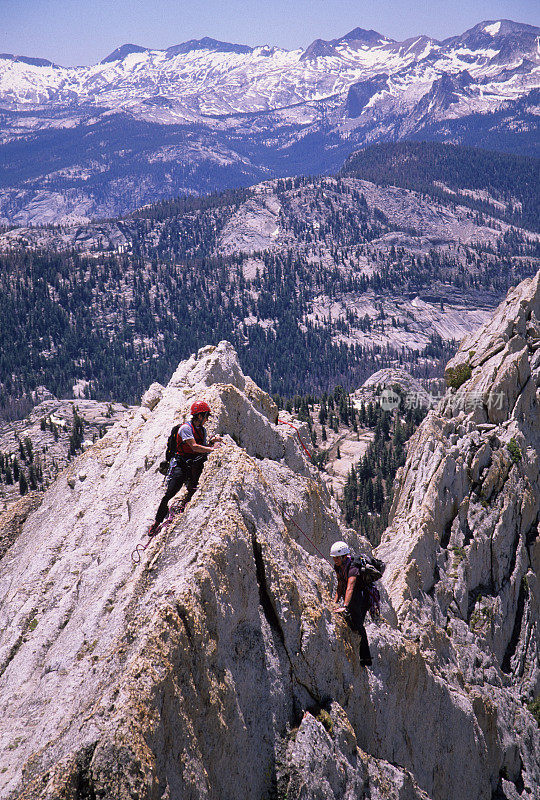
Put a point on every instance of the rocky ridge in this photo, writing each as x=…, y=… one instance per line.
x=215, y=668
x=462, y=546
x=49, y=428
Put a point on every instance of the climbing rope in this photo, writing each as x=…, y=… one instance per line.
x=136, y=554
x=283, y=422
x=305, y=534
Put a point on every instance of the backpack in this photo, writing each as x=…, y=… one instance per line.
x=369, y=567
x=171, y=443
x=374, y=606
x=170, y=451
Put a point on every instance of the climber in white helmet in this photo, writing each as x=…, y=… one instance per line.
x=352, y=596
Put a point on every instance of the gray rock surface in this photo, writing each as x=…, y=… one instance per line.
x=215, y=668
x=49, y=426
x=413, y=391
x=462, y=547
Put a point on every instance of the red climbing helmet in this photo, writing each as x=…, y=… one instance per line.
x=200, y=407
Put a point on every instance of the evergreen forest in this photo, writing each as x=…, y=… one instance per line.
x=120, y=316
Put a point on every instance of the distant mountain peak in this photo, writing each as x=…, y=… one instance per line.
x=214, y=107
x=370, y=37
x=207, y=43
x=489, y=30
x=322, y=47
x=121, y=52
x=504, y=27
x=35, y=62
x=318, y=49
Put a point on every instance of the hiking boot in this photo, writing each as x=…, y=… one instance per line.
x=153, y=529
x=364, y=662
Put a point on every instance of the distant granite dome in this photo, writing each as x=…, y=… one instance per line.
x=388, y=378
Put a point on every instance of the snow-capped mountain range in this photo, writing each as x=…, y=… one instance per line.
x=206, y=114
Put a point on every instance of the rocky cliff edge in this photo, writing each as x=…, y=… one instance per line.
x=215, y=667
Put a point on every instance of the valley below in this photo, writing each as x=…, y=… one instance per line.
x=316, y=282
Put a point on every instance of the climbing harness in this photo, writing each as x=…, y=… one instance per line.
x=283, y=422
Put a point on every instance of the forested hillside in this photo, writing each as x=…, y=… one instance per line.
x=510, y=182
x=122, y=324
x=316, y=282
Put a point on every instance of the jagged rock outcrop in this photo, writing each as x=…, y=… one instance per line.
x=463, y=546
x=215, y=668
x=48, y=429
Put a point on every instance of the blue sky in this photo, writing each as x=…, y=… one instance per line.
x=71, y=32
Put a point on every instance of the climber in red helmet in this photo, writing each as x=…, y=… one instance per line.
x=191, y=448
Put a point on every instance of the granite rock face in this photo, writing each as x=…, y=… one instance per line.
x=215, y=668
x=49, y=427
x=462, y=548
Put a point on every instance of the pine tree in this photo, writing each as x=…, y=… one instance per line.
x=77, y=429
x=32, y=480
x=29, y=448
x=23, y=485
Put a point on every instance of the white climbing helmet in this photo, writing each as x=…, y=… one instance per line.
x=340, y=549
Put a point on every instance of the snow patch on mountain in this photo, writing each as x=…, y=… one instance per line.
x=212, y=78
x=237, y=113
x=493, y=29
